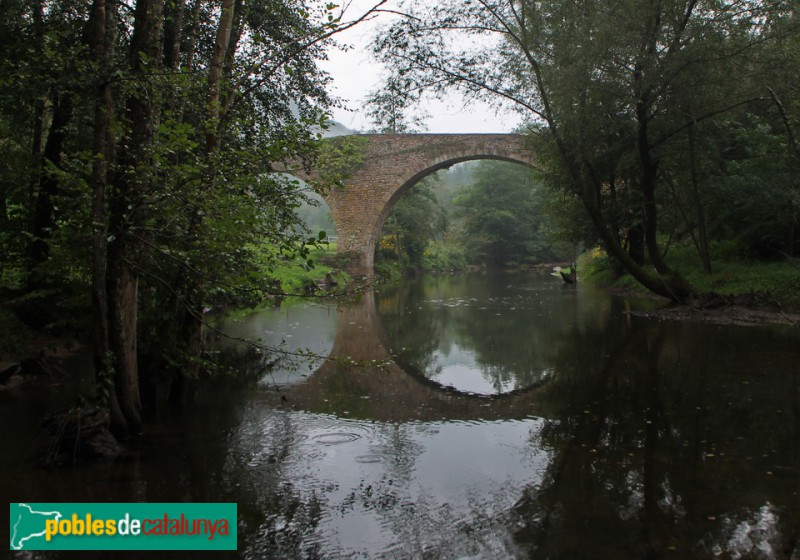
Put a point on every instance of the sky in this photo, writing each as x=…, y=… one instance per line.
x=355, y=73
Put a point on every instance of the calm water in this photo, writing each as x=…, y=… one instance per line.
x=512, y=417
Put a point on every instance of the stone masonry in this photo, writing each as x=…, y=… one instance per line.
x=393, y=163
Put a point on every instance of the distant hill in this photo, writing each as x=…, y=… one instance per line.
x=337, y=129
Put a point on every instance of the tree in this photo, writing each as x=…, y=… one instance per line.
x=501, y=213
x=414, y=222
x=392, y=110
x=104, y=15
x=44, y=52
x=168, y=118
x=609, y=83
x=261, y=99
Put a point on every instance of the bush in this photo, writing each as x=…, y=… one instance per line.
x=444, y=256
x=595, y=267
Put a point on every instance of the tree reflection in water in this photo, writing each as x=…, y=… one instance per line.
x=668, y=449
x=649, y=439
x=507, y=329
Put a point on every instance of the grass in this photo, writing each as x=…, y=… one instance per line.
x=296, y=277
x=778, y=282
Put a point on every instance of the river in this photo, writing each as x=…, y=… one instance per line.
x=495, y=415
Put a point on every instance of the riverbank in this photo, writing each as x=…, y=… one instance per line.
x=19, y=340
x=737, y=292
x=713, y=308
x=723, y=313
x=304, y=276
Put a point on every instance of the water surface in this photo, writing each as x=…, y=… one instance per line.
x=511, y=417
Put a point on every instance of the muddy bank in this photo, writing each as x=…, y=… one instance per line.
x=747, y=309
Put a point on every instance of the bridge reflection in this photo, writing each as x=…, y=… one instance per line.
x=393, y=392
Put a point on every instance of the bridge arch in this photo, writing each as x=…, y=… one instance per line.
x=392, y=164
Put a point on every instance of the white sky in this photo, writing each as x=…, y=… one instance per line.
x=355, y=73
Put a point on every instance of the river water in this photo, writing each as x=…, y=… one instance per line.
x=492, y=415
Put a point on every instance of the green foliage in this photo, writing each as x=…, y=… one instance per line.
x=388, y=270
x=415, y=221
x=446, y=255
x=393, y=110
x=639, y=105
x=340, y=157
x=752, y=199
x=484, y=213
x=776, y=283
x=502, y=216
x=294, y=275
x=41, y=59
x=187, y=200
x=595, y=267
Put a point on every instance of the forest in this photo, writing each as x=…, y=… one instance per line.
x=137, y=142
x=138, y=137
x=484, y=214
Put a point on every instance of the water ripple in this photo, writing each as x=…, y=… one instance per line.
x=369, y=458
x=336, y=438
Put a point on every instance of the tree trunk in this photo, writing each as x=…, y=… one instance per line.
x=636, y=244
x=173, y=34
x=192, y=35
x=133, y=179
x=104, y=14
x=794, y=147
x=123, y=289
x=39, y=124
x=214, y=76
x=670, y=287
x=705, y=253
x=647, y=184
x=644, y=96
x=192, y=325
x=237, y=28
x=43, y=220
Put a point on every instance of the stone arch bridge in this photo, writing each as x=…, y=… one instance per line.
x=392, y=164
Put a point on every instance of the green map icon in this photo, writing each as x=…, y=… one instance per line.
x=28, y=524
